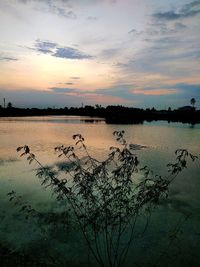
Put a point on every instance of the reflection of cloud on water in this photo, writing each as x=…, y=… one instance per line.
x=173, y=203
x=8, y=160
x=65, y=166
x=137, y=146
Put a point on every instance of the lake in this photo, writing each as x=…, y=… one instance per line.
x=158, y=141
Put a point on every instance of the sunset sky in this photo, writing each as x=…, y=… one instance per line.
x=141, y=53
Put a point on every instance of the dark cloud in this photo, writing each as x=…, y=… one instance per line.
x=191, y=5
x=189, y=89
x=188, y=10
x=5, y=58
x=169, y=15
x=70, y=53
x=47, y=47
x=157, y=29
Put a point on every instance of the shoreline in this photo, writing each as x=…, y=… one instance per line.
x=111, y=114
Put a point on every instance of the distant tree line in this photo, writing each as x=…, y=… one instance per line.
x=112, y=114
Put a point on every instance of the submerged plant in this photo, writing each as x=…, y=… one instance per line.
x=107, y=197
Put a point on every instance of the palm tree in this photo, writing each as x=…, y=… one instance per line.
x=192, y=101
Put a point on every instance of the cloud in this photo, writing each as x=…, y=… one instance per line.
x=179, y=26
x=155, y=92
x=157, y=29
x=62, y=12
x=92, y=18
x=6, y=58
x=62, y=90
x=70, y=53
x=59, y=7
x=125, y=65
x=161, y=96
x=188, y=10
x=68, y=83
x=189, y=89
x=45, y=47
x=135, y=32
x=119, y=91
x=63, y=8
x=168, y=55
x=122, y=91
x=179, y=88
x=70, y=2
x=55, y=50
x=132, y=31
x=104, y=96
x=34, y=98
x=57, y=97
x=169, y=15
x=110, y=52
x=75, y=78
x=128, y=92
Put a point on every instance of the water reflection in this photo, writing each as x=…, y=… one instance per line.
x=155, y=144
x=54, y=119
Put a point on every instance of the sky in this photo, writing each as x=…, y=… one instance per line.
x=137, y=53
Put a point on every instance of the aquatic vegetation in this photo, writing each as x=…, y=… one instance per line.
x=107, y=198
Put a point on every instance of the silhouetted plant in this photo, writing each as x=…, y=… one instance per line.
x=107, y=197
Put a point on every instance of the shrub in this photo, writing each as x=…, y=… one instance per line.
x=107, y=197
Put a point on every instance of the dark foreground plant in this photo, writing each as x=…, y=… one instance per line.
x=108, y=197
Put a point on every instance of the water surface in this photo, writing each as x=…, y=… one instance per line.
x=159, y=141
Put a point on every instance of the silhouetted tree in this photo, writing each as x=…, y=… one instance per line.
x=192, y=101
x=9, y=105
x=97, y=106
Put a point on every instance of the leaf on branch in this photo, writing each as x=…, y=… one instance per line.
x=19, y=148
x=26, y=149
